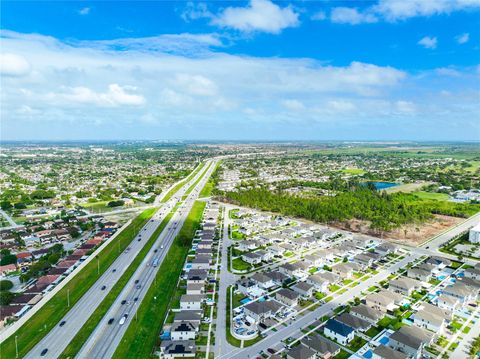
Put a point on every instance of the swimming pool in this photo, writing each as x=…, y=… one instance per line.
x=245, y=300
x=368, y=354
x=384, y=340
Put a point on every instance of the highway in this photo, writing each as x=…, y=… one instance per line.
x=108, y=334
x=59, y=337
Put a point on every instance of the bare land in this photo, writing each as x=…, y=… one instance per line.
x=412, y=234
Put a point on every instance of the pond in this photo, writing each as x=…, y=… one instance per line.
x=379, y=185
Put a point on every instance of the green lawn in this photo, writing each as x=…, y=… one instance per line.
x=141, y=337
x=50, y=314
x=181, y=183
x=81, y=337
x=356, y=344
x=372, y=332
x=230, y=338
x=240, y=264
x=209, y=186
x=353, y=171
x=431, y=195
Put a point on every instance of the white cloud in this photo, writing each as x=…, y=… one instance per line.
x=83, y=83
x=194, y=11
x=259, y=15
x=463, y=38
x=293, y=105
x=84, y=11
x=116, y=95
x=398, y=10
x=320, y=15
x=428, y=42
x=347, y=15
x=13, y=65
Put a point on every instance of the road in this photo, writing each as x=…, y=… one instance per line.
x=9, y=220
x=58, y=338
x=106, y=337
x=294, y=328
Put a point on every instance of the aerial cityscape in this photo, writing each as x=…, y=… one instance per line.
x=240, y=179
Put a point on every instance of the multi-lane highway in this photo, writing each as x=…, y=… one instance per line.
x=55, y=342
x=106, y=337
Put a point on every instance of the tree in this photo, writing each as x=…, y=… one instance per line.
x=5, y=285
x=8, y=259
x=6, y=297
x=5, y=205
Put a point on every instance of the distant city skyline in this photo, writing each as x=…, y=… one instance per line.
x=241, y=70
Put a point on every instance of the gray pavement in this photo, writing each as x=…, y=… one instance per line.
x=59, y=337
x=106, y=337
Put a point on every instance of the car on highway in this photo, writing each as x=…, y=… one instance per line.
x=114, y=270
x=103, y=287
x=135, y=299
x=62, y=323
x=44, y=351
x=155, y=251
x=136, y=281
x=161, y=247
x=139, y=239
x=139, y=286
x=110, y=321
x=124, y=301
x=123, y=319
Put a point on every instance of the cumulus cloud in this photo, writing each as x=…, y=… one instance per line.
x=293, y=105
x=347, y=15
x=428, y=42
x=398, y=10
x=84, y=11
x=259, y=15
x=463, y=38
x=91, y=83
x=13, y=65
x=320, y=15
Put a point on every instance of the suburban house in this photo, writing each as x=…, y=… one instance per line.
x=367, y=313
x=324, y=348
x=191, y=302
x=287, y=297
x=383, y=300
x=252, y=258
x=178, y=349
x=276, y=250
x=411, y=340
x=262, y=280
x=183, y=331
x=314, y=260
x=383, y=352
x=329, y=276
x=247, y=245
x=320, y=284
x=384, y=249
x=343, y=270
x=404, y=285
x=189, y=316
x=338, y=331
x=461, y=291
x=256, y=311
x=448, y=302
x=473, y=273
x=304, y=289
x=354, y=321
x=432, y=317
x=301, y=352
x=277, y=277
x=195, y=288
x=419, y=274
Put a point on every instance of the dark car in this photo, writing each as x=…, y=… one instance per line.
x=44, y=351
x=136, y=281
x=135, y=299
x=110, y=321
x=123, y=302
x=62, y=323
x=114, y=270
x=103, y=287
x=139, y=239
x=271, y=350
x=155, y=251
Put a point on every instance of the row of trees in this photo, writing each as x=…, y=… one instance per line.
x=384, y=211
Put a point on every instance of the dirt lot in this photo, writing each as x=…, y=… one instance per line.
x=412, y=235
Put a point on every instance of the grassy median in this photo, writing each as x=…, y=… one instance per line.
x=83, y=334
x=142, y=336
x=29, y=334
x=181, y=183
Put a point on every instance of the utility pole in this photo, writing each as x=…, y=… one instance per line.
x=68, y=298
x=16, y=346
x=98, y=265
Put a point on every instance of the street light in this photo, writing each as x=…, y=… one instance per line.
x=68, y=298
x=16, y=346
x=98, y=265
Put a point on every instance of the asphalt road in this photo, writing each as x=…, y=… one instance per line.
x=293, y=329
x=106, y=337
x=59, y=337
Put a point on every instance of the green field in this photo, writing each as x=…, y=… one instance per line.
x=142, y=336
x=209, y=186
x=181, y=183
x=431, y=195
x=50, y=314
x=240, y=264
x=77, y=342
x=353, y=171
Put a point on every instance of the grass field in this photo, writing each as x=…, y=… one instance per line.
x=431, y=195
x=142, y=336
x=240, y=264
x=50, y=314
x=181, y=183
x=208, y=188
x=353, y=171
x=77, y=342
x=190, y=189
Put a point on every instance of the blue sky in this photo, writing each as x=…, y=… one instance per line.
x=367, y=70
